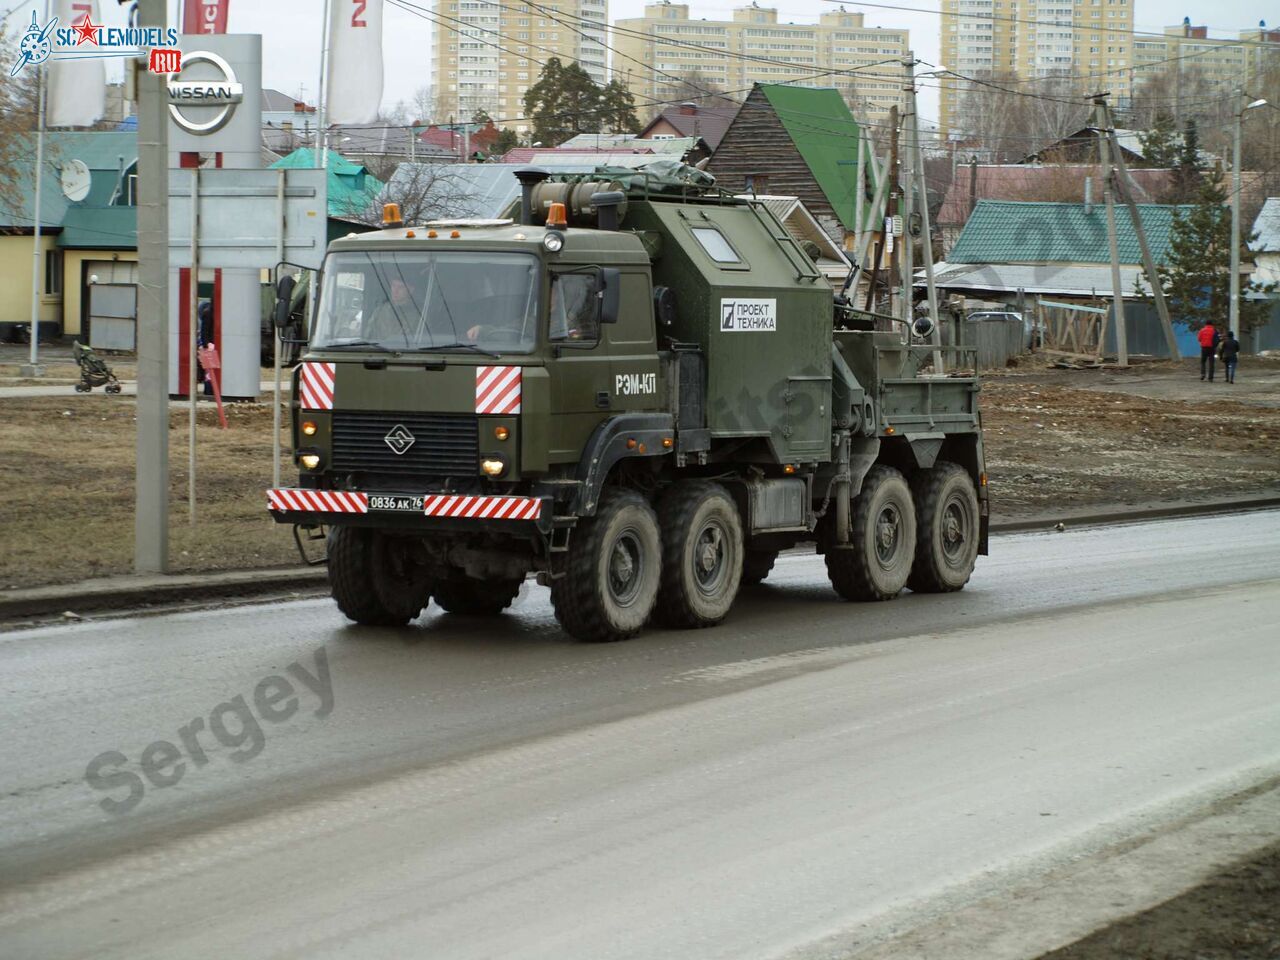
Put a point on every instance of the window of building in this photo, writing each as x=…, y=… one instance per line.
x=53, y=273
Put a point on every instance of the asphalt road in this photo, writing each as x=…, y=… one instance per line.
x=470, y=788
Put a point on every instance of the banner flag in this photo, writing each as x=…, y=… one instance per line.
x=353, y=87
x=77, y=94
x=204, y=16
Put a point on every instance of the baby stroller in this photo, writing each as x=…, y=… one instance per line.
x=93, y=370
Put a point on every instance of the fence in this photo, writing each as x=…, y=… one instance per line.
x=994, y=340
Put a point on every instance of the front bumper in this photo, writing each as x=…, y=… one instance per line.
x=439, y=510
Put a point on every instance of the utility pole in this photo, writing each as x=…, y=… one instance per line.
x=1233, y=316
x=891, y=213
x=908, y=204
x=151, y=509
x=1148, y=263
x=1117, y=288
x=935, y=337
x=32, y=367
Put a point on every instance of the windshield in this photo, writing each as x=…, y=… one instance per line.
x=421, y=300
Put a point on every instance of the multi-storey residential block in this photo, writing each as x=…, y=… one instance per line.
x=665, y=54
x=1187, y=52
x=1087, y=44
x=487, y=54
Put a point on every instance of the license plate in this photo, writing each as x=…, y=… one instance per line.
x=396, y=502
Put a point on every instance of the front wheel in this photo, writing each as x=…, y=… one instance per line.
x=377, y=580
x=882, y=542
x=611, y=582
x=701, y=554
x=947, y=529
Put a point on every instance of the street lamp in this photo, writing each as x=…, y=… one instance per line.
x=1233, y=321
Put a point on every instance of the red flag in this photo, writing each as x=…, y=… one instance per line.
x=204, y=16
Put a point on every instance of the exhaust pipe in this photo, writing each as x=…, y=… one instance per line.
x=529, y=178
x=608, y=208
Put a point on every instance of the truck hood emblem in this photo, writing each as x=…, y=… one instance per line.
x=399, y=439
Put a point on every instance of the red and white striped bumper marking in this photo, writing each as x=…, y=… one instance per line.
x=316, y=386
x=318, y=501
x=483, y=508
x=497, y=389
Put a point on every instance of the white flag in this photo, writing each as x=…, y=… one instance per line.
x=77, y=94
x=353, y=88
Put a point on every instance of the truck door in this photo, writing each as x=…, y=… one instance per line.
x=633, y=348
x=581, y=376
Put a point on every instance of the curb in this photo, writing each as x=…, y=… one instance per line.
x=130, y=592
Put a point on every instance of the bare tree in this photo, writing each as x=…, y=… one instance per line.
x=421, y=108
x=1011, y=118
x=424, y=191
x=18, y=99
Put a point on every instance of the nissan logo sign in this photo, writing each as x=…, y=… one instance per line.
x=221, y=94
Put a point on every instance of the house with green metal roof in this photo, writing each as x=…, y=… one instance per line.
x=353, y=190
x=1018, y=252
x=1053, y=249
x=801, y=142
x=87, y=241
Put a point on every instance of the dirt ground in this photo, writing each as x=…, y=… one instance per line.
x=1234, y=916
x=1069, y=438
x=1055, y=440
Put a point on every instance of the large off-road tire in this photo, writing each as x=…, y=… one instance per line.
x=702, y=554
x=946, y=528
x=756, y=566
x=373, y=577
x=614, y=567
x=882, y=543
x=478, y=598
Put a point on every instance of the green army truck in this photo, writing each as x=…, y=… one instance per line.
x=639, y=388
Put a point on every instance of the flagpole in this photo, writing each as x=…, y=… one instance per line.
x=33, y=369
x=321, y=120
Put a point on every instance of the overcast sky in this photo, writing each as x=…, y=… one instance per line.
x=291, y=31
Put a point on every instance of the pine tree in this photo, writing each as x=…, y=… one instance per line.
x=619, y=108
x=1161, y=145
x=1196, y=275
x=563, y=103
x=1189, y=171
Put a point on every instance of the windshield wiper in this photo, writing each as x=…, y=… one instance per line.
x=469, y=347
x=356, y=343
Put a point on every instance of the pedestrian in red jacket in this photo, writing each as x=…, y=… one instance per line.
x=1208, y=337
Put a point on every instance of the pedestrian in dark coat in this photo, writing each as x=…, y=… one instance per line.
x=1230, y=353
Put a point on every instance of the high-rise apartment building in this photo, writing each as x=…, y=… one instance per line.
x=1086, y=43
x=658, y=56
x=1188, y=53
x=486, y=55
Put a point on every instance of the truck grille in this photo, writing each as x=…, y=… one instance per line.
x=443, y=444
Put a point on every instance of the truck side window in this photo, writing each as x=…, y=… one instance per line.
x=575, y=307
x=716, y=246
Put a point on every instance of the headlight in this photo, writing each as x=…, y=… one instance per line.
x=492, y=467
x=553, y=241
x=309, y=428
x=310, y=461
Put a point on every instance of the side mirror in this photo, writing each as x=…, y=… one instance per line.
x=610, y=294
x=922, y=326
x=284, y=302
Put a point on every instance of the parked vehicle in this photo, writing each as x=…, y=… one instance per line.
x=639, y=389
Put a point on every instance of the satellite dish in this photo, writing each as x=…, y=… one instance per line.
x=75, y=180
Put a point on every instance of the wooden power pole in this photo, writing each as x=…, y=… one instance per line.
x=1117, y=288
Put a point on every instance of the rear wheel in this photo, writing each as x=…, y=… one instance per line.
x=611, y=582
x=481, y=598
x=756, y=565
x=876, y=563
x=701, y=554
x=946, y=529
x=376, y=579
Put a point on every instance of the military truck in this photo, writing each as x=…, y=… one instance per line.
x=637, y=387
